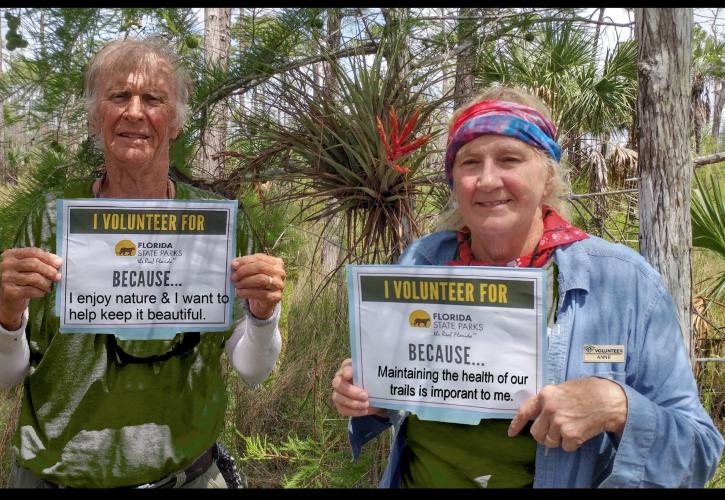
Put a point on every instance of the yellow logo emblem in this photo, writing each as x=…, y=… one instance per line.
x=419, y=319
x=125, y=248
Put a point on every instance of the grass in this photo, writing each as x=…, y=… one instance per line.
x=718, y=480
x=289, y=435
x=710, y=343
x=9, y=406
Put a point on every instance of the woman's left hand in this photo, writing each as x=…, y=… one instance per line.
x=259, y=278
x=571, y=413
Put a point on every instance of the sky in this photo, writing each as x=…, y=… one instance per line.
x=612, y=34
x=712, y=20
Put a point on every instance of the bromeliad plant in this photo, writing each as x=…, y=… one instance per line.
x=394, y=147
x=333, y=149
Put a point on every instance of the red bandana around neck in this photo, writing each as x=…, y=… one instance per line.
x=557, y=231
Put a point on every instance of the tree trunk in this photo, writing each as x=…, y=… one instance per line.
x=632, y=138
x=449, y=81
x=257, y=105
x=316, y=48
x=698, y=108
x=717, y=108
x=664, y=57
x=465, y=88
x=217, y=27
x=43, y=45
x=599, y=182
x=597, y=31
x=242, y=101
x=331, y=257
x=396, y=36
x=598, y=179
x=46, y=126
x=332, y=45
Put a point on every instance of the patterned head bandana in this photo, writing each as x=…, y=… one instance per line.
x=501, y=118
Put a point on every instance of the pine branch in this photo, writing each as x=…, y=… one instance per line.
x=246, y=83
x=709, y=159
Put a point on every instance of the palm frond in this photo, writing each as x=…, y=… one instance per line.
x=708, y=225
x=557, y=66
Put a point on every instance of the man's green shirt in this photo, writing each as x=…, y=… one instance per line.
x=90, y=420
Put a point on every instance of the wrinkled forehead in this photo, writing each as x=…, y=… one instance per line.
x=148, y=71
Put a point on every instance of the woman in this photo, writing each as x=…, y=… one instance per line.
x=637, y=423
x=97, y=412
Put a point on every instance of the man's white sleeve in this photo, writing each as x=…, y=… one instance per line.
x=14, y=355
x=255, y=345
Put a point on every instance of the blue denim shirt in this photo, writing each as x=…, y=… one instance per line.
x=608, y=295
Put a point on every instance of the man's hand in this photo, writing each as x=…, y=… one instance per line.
x=25, y=273
x=259, y=278
x=571, y=413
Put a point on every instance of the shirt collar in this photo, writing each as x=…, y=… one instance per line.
x=574, y=264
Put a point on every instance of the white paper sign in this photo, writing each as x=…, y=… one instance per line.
x=449, y=343
x=145, y=269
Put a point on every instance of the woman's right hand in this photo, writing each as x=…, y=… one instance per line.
x=351, y=400
x=25, y=273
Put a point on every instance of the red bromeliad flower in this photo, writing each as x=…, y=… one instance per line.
x=395, y=147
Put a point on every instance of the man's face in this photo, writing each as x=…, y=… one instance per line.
x=135, y=116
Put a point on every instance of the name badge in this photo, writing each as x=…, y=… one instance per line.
x=594, y=353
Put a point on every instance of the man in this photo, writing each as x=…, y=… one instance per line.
x=101, y=412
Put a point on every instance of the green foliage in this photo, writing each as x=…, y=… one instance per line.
x=621, y=224
x=192, y=41
x=607, y=100
x=332, y=153
x=16, y=160
x=312, y=462
x=182, y=151
x=269, y=224
x=269, y=41
x=708, y=53
x=48, y=171
x=559, y=66
x=9, y=118
x=13, y=37
x=708, y=225
x=45, y=84
x=288, y=434
x=325, y=159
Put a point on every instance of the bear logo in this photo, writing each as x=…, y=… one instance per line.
x=419, y=319
x=125, y=248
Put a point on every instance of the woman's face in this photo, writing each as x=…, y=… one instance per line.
x=499, y=183
x=135, y=116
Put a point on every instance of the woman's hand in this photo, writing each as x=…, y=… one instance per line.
x=351, y=400
x=259, y=278
x=25, y=273
x=571, y=413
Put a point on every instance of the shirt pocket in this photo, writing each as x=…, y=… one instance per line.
x=597, y=370
x=616, y=375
